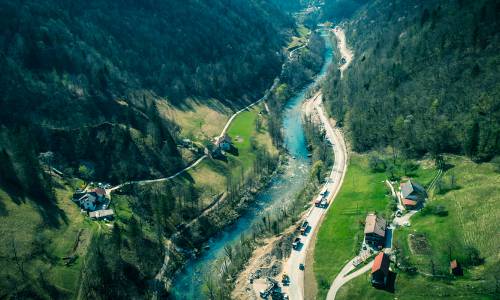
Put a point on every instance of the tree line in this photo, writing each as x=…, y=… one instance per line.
x=424, y=79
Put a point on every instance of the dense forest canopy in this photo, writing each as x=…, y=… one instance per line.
x=337, y=10
x=424, y=78
x=83, y=77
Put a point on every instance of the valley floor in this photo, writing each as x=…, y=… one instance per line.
x=470, y=223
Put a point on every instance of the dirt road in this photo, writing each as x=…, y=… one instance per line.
x=347, y=54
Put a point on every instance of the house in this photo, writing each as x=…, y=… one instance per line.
x=380, y=270
x=100, y=194
x=412, y=194
x=224, y=142
x=217, y=153
x=455, y=268
x=102, y=214
x=375, y=230
x=78, y=194
x=88, y=201
x=187, y=142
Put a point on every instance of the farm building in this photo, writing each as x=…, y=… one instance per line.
x=380, y=270
x=224, y=142
x=375, y=230
x=90, y=200
x=102, y=214
x=412, y=194
x=100, y=194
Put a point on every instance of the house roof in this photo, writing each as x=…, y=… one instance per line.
x=101, y=213
x=409, y=202
x=409, y=187
x=375, y=224
x=224, y=138
x=406, y=188
x=99, y=191
x=90, y=196
x=381, y=262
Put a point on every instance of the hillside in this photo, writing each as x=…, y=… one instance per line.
x=106, y=91
x=464, y=232
x=424, y=78
x=422, y=88
x=87, y=79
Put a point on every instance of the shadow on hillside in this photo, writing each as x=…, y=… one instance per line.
x=3, y=209
x=51, y=214
x=15, y=193
x=234, y=151
x=217, y=105
x=187, y=176
x=391, y=283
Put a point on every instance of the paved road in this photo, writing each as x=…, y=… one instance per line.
x=343, y=278
x=314, y=216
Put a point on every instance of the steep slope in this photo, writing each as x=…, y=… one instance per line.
x=424, y=78
x=84, y=77
x=87, y=85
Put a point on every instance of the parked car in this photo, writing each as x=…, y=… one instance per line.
x=296, y=243
x=304, y=227
x=301, y=267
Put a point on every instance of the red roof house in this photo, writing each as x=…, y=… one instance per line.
x=380, y=270
x=408, y=203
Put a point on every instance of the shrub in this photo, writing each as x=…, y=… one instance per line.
x=377, y=165
x=438, y=210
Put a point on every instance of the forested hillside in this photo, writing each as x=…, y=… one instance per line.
x=424, y=78
x=336, y=10
x=82, y=78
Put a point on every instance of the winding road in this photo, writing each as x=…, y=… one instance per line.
x=314, y=216
x=199, y=160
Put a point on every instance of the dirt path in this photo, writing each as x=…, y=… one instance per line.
x=262, y=258
x=347, y=54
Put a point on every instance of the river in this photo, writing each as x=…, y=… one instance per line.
x=189, y=283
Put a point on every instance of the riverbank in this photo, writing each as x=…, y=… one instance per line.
x=269, y=258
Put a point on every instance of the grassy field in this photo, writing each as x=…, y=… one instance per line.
x=41, y=244
x=198, y=120
x=243, y=130
x=209, y=177
x=341, y=232
x=472, y=221
x=301, y=39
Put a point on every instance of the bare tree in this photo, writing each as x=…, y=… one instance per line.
x=18, y=260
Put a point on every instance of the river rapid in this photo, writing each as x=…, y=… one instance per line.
x=188, y=284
